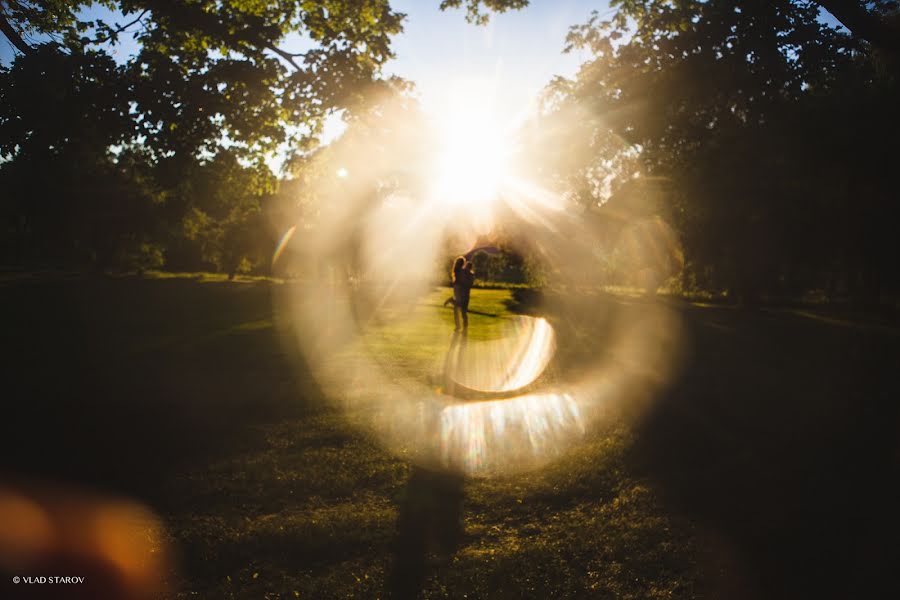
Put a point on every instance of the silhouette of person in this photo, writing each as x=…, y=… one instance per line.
x=458, y=266
x=462, y=287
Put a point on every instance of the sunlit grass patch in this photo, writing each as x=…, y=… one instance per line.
x=313, y=509
x=582, y=527
x=417, y=340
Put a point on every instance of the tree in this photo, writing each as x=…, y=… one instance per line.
x=212, y=72
x=474, y=11
x=207, y=97
x=215, y=215
x=54, y=103
x=723, y=103
x=876, y=22
x=65, y=199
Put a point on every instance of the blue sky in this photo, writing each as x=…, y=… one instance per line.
x=516, y=54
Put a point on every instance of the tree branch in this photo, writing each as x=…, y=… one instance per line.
x=206, y=22
x=288, y=56
x=118, y=30
x=12, y=35
x=864, y=24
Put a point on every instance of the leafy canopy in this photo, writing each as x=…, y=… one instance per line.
x=213, y=73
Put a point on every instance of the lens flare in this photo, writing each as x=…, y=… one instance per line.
x=473, y=148
x=473, y=162
x=485, y=437
x=119, y=547
x=503, y=365
x=283, y=242
x=514, y=391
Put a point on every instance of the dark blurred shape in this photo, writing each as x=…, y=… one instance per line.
x=117, y=546
x=744, y=126
x=781, y=443
x=430, y=521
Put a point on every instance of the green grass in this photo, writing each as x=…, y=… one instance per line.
x=415, y=341
x=313, y=508
x=188, y=397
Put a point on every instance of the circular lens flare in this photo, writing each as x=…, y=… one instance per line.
x=521, y=390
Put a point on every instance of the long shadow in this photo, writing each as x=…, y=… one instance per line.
x=430, y=520
x=430, y=510
x=472, y=312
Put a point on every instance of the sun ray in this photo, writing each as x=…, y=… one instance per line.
x=474, y=149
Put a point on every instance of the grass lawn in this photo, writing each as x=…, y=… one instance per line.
x=768, y=468
x=415, y=340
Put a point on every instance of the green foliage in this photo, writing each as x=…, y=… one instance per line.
x=24, y=18
x=181, y=129
x=755, y=118
x=488, y=267
x=474, y=12
x=55, y=103
x=210, y=73
x=505, y=266
x=221, y=227
x=141, y=257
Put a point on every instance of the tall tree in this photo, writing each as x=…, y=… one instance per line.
x=210, y=86
x=754, y=116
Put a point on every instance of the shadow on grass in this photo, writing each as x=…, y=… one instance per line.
x=781, y=441
x=114, y=383
x=470, y=311
x=525, y=301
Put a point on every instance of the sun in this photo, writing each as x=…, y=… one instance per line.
x=473, y=151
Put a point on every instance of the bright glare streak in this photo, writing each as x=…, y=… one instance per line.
x=283, y=242
x=481, y=436
x=507, y=364
x=491, y=410
x=473, y=151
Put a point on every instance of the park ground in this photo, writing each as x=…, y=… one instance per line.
x=767, y=468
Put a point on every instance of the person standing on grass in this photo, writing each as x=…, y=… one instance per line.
x=462, y=285
x=458, y=266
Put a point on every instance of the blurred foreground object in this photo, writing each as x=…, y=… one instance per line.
x=108, y=548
